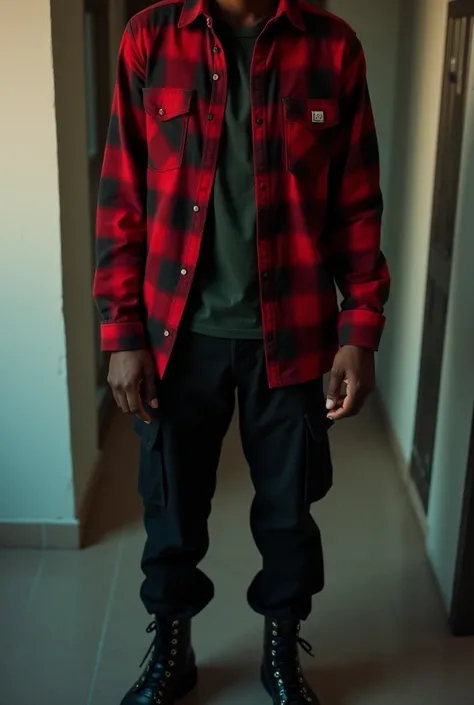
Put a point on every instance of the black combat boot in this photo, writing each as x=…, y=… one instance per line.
x=171, y=669
x=281, y=671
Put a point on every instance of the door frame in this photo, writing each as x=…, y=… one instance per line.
x=461, y=617
x=461, y=612
x=101, y=97
x=443, y=218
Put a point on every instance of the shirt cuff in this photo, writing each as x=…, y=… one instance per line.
x=118, y=337
x=361, y=328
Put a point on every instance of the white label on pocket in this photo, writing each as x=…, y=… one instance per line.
x=317, y=116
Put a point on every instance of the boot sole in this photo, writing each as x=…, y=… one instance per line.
x=187, y=684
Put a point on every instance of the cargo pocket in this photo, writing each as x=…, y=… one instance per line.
x=318, y=458
x=151, y=476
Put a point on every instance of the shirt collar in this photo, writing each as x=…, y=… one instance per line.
x=192, y=9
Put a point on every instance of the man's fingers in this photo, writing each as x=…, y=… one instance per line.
x=149, y=388
x=352, y=402
x=121, y=399
x=347, y=409
x=135, y=403
x=334, y=389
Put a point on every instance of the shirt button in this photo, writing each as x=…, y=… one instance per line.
x=210, y=117
x=263, y=187
x=161, y=111
x=209, y=22
x=184, y=271
x=215, y=77
x=196, y=209
x=216, y=50
x=259, y=121
x=167, y=334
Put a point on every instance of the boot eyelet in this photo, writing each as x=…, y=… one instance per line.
x=277, y=674
x=174, y=623
x=273, y=653
x=171, y=663
x=173, y=652
x=274, y=642
x=275, y=633
x=174, y=631
x=273, y=663
x=174, y=641
x=168, y=674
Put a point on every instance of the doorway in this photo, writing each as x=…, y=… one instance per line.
x=444, y=430
x=443, y=224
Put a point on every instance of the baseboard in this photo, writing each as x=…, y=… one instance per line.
x=70, y=535
x=402, y=466
x=40, y=535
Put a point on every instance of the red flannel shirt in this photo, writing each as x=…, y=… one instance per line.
x=316, y=182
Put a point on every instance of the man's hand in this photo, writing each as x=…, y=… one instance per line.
x=354, y=367
x=132, y=379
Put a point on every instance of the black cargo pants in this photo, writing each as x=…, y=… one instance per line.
x=285, y=441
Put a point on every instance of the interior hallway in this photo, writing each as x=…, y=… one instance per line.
x=73, y=627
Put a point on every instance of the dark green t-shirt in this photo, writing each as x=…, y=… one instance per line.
x=226, y=296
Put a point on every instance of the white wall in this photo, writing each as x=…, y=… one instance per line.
x=409, y=202
x=377, y=25
x=35, y=456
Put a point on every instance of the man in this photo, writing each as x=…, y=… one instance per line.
x=240, y=186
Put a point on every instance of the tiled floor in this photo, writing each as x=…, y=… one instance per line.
x=72, y=628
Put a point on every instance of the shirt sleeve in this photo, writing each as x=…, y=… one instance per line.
x=355, y=212
x=121, y=214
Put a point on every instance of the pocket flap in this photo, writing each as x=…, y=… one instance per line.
x=314, y=113
x=167, y=103
x=148, y=432
x=318, y=427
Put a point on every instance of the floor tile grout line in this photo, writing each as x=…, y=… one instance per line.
x=35, y=581
x=106, y=620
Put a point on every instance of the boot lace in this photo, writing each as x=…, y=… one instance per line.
x=161, y=661
x=287, y=670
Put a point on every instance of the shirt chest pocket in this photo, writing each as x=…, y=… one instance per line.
x=167, y=120
x=309, y=127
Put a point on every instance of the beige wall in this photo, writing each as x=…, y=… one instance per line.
x=117, y=18
x=36, y=480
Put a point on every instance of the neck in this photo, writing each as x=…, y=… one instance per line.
x=246, y=13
